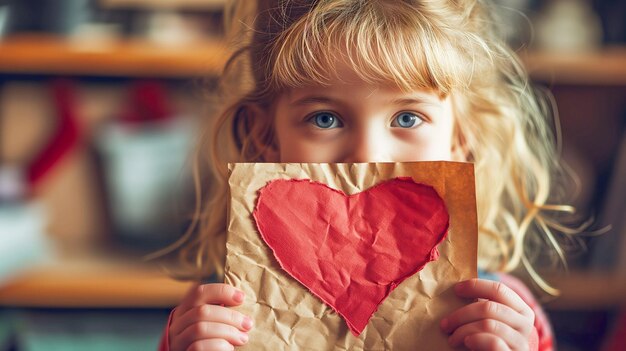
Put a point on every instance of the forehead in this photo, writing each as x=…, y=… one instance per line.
x=349, y=85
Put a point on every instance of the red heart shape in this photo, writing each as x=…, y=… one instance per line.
x=351, y=251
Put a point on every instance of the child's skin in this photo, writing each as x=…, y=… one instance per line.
x=351, y=121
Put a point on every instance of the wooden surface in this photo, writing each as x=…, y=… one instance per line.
x=588, y=291
x=93, y=282
x=90, y=282
x=40, y=54
x=37, y=54
x=604, y=67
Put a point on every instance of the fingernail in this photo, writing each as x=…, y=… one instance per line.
x=238, y=296
x=247, y=323
x=244, y=338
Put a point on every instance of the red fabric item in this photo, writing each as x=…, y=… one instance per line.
x=66, y=137
x=351, y=251
x=542, y=339
x=148, y=102
x=164, y=345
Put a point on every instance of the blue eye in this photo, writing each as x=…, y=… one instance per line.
x=325, y=120
x=407, y=120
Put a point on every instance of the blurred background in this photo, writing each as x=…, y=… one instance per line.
x=99, y=104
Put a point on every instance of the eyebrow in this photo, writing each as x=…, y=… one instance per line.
x=416, y=100
x=309, y=100
x=315, y=99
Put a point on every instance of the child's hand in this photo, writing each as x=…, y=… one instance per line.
x=200, y=323
x=499, y=320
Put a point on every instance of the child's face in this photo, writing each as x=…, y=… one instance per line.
x=351, y=121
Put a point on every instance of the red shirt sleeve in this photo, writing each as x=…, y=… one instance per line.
x=542, y=338
x=164, y=345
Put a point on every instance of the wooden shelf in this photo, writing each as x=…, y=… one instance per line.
x=604, y=67
x=40, y=54
x=93, y=283
x=589, y=291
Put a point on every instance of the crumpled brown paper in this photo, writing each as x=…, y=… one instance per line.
x=288, y=317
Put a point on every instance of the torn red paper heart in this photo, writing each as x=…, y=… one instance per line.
x=351, y=251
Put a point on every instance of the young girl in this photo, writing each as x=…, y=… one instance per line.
x=383, y=81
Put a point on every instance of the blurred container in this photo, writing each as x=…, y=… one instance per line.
x=54, y=16
x=143, y=169
x=23, y=242
x=144, y=156
x=4, y=19
x=568, y=26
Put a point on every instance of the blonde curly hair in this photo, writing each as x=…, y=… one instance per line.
x=448, y=46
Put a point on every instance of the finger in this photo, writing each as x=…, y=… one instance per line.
x=209, y=330
x=486, y=342
x=486, y=309
x=211, y=313
x=495, y=291
x=215, y=294
x=509, y=335
x=211, y=345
